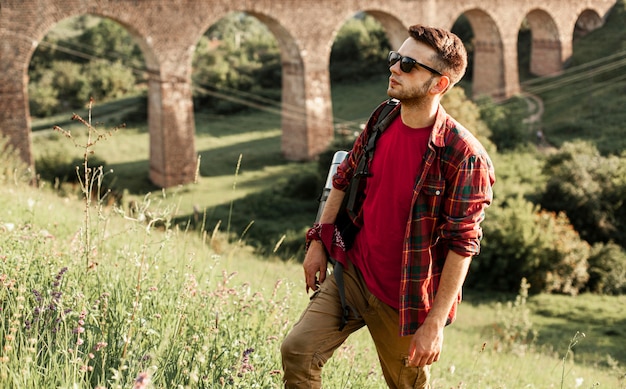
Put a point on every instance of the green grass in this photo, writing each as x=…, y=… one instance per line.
x=191, y=304
x=587, y=101
x=168, y=289
x=183, y=303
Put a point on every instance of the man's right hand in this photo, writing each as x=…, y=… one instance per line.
x=315, y=262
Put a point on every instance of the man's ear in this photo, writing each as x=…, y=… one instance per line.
x=442, y=85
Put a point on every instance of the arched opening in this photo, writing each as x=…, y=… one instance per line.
x=545, y=46
x=248, y=81
x=487, y=60
x=588, y=21
x=463, y=29
x=82, y=58
x=358, y=69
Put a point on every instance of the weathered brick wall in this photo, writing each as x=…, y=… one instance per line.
x=168, y=30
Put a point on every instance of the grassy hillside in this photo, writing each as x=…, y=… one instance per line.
x=587, y=101
x=141, y=300
x=201, y=308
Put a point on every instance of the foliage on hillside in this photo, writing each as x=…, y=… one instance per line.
x=102, y=62
x=587, y=101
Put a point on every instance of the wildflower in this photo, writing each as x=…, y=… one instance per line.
x=59, y=277
x=37, y=295
x=246, y=366
x=141, y=381
x=99, y=346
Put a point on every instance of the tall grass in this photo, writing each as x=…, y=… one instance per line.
x=159, y=306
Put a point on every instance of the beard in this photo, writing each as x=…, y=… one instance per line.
x=416, y=95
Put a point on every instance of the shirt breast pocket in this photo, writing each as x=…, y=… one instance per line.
x=432, y=193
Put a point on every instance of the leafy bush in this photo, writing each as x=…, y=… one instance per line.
x=607, y=269
x=513, y=330
x=360, y=50
x=522, y=241
x=468, y=113
x=43, y=96
x=506, y=121
x=590, y=189
x=237, y=60
x=61, y=80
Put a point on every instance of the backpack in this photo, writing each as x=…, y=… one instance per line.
x=347, y=212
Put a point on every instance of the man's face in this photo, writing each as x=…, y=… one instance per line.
x=414, y=85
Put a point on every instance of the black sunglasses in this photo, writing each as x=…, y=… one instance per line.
x=407, y=63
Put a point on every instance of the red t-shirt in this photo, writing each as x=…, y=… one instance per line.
x=377, y=249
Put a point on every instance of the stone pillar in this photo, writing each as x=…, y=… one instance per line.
x=14, y=112
x=307, y=111
x=545, y=57
x=172, y=131
x=488, y=72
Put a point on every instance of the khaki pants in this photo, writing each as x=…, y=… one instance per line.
x=316, y=336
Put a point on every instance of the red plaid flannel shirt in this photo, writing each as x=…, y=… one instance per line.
x=450, y=197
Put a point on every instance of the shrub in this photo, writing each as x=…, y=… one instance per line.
x=468, y=113
x=607, y=269
x=43, y=97
x=523, y=242
x=513, y=330
x=506, y=121
x=360, y=50
x=590, y=189
x=231, y=68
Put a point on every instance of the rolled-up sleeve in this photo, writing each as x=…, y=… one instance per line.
x=470, y=192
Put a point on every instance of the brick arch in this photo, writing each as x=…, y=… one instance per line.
x=168, y=31
x=587, y=21
x=293, y=96
x=545, y=52
x=394, y=28
x=27, y=44
x=488, y=77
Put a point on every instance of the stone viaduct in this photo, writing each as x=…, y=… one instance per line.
x=167, y=32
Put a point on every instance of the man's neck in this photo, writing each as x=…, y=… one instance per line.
x=419, y=115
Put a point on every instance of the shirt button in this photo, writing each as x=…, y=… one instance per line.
x=438, y=192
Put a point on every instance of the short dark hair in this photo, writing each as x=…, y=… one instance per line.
x=451, y=55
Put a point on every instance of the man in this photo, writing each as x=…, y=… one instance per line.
x=428, y=184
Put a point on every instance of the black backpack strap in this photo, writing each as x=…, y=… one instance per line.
x=382, y=122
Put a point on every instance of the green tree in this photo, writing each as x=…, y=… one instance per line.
x=607, y=269
x=521, y=241
x=108, y=80
x=590, y=189
x=43, y=95
x=240, y=58
x=100, y=62
x=506, y=121
x=109, y=40
x=360, y=50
